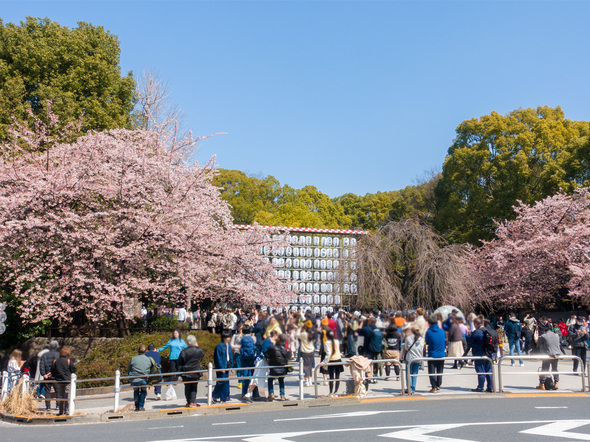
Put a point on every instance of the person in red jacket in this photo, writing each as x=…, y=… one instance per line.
x=563, y=328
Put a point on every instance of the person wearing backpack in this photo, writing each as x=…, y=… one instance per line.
x=481, y=347
x=513, y=331
x=435, y=341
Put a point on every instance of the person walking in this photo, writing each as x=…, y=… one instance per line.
x=435, y=341
x=176, y=344
x=483, y=367
x=223, y=359
x=139, y=367
x=189, y=361
x=62, y=370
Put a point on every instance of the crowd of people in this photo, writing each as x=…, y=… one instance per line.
x=260, y=345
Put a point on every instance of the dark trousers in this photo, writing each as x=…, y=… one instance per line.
x=581, y=353
x=549, y=365
x=48, y=388
x=173, y=369
x=481, y=367
x=190, y=391
x=63, y=393
x=435, y=367
x=139, y=393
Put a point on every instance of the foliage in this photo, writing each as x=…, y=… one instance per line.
x=407, y=265
x=76, y=69
x=114, y=355
x=266, y=202
x=496, y=161
x=19, y=403
x=92, y=225
x=541, y=256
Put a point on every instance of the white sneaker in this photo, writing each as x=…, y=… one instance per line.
x=522, y=364
x=158, y=397
x=512, y=364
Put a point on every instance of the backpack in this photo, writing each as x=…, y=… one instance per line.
x=491, y=341
x=375, y=341
x=248, y=349
x=549, y=382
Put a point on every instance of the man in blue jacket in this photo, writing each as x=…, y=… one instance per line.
x=476, y=340
x=435, y=340
x=513, y=331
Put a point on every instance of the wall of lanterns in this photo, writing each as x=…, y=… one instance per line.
x=320, y=269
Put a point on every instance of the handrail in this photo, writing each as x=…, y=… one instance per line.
x=542, y=357
x=347, y=362
x=450, y=358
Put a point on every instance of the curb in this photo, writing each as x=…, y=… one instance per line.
x=127, y=416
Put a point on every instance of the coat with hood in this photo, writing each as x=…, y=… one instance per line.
x=435, y=340
x=512, y=329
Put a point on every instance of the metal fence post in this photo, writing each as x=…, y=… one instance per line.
x=210, y=384
x=315, y=380
x=402, y=374
x=72, y=404
x=408, y=376
x=500, y=386
x=4, y=385
x=494, y=377
x=25, y=385
x=301, y=378
x=117, y=390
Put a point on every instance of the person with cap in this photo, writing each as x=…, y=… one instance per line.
x=45, y=367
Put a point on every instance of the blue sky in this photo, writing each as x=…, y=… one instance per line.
x=348, y=96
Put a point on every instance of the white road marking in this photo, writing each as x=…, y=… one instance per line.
x=164, y=428
x=547, y=408
x=343, y=415
x=421, y=433
x=228, y=423
x=559, y=428
x=550, y=428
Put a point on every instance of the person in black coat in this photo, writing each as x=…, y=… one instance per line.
x=189, y=361
x=278, y=357
x=62, y=370
x=45, y=366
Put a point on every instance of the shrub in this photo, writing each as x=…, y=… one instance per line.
x=104, y=360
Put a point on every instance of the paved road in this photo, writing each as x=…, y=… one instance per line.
x=518, y=418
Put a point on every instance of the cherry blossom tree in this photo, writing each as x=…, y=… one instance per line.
x=93, y=224
x=541, y=256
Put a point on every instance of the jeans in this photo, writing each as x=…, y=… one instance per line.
x=221, y=390
x=515, y=343
x=482, y=366
x=435, y=367
x=139, y=393
x=414, y=369
x=351, y=344
x=281, y=385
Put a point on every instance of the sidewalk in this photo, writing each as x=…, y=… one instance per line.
x=455, y=382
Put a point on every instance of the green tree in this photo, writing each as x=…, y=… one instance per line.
x=76, y=69
x=497, y=160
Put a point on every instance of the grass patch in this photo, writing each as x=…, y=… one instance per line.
x=104, y=360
